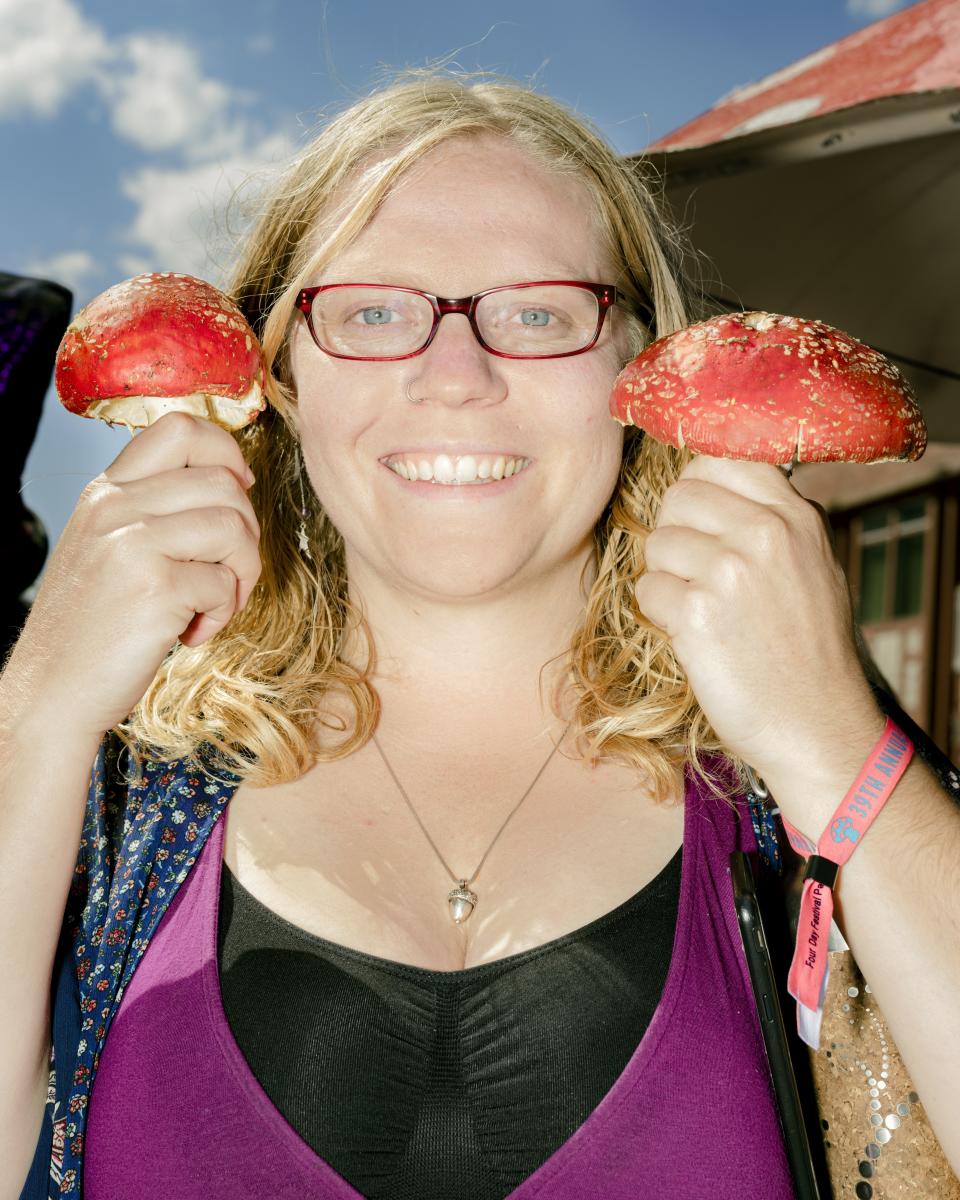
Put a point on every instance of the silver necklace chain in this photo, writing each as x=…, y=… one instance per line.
x=462, y=882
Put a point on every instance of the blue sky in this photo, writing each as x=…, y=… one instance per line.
x=124, y=128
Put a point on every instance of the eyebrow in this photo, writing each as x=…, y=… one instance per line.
x=414, y=280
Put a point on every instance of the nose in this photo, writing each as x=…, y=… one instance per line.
x=455, y=368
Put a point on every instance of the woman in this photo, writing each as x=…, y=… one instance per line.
x=437, y=946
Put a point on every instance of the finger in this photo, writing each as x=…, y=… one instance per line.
x=210, y=535
x=199, y=487
x=709, y=507
x=660, y=597
x=210, y=596
x=215, y=597
x=759, y=481
x=683, y=552
x=177, y=440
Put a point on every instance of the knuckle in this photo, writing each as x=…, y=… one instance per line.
x=735, y=570
x=226, y=577
x=224, y=480
x=683, y=491
x=177, y=424
x=698, y=608
x=127, y=545
x=159, y=580
x=233, y=523
x=98, y=498
x=94, y=487
x=771, y=531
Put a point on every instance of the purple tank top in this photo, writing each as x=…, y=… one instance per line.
x=175, y=1109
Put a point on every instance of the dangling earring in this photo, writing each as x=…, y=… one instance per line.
x=304, y=543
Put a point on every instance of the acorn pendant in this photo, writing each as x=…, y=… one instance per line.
x=462, y=902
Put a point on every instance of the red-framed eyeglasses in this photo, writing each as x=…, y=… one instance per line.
x=552, y=318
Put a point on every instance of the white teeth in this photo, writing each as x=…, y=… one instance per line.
x=443, y=469
x=466, y=469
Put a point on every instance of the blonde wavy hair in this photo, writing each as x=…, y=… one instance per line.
x=249, y=697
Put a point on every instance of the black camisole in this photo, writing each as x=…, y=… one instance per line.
x=422, y=1084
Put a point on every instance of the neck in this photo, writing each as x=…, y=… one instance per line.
x=476, y=671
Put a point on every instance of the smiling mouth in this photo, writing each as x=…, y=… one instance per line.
x=461, y=470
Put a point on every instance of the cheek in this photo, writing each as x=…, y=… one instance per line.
x=329, y=411
x=589, y=412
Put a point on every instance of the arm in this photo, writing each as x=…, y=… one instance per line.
x=897, y=900
x=742, y=578
x=43, y=783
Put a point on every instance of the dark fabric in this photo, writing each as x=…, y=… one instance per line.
x=34, y=313
x=174, y=1099
x=403, y=1078
x=142, y=833
x=33, y=316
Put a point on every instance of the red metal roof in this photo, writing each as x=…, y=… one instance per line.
x=912, y=51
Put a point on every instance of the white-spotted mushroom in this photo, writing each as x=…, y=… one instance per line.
x=159, y=343
x=770, y=388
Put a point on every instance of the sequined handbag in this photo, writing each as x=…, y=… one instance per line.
x=877, y=1139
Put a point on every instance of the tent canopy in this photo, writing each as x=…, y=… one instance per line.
x=831, y=190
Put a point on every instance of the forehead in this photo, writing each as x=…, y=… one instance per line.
x=475, y=213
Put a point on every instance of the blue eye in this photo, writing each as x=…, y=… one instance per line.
x=381, y=312
x=536, y=313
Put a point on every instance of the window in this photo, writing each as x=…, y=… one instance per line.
x=892, y=539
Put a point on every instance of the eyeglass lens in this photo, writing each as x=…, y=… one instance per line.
x=372, y=322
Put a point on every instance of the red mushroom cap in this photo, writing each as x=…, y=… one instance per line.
x=157, y=343
x=772, y=389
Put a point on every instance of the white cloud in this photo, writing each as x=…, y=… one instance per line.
x=158, y=99
x=72, y=268
x=164, y=102
x=874, y=9
x=182, y=221
x=153, y=85
x=47, y=50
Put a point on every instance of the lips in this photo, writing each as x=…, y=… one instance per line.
x=453, y=450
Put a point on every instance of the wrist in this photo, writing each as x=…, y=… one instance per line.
x=27, y=723
x=864, y=800
x=808, y=785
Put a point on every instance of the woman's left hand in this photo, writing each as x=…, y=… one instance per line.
x=742, y=578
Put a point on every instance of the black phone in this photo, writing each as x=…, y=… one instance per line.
x=810, y=1179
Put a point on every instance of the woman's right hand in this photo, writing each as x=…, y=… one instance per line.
x=161, y=546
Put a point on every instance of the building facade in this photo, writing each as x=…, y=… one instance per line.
x=895, y=527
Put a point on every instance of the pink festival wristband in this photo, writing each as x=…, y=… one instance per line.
x=810, y=969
